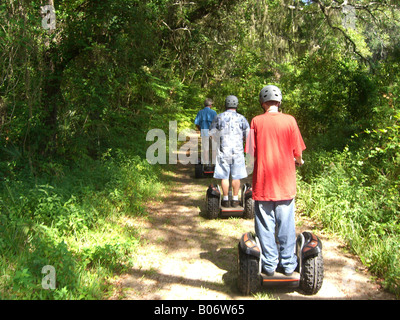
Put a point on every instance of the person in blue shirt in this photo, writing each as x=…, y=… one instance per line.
x=230, y=130
x=203, y=122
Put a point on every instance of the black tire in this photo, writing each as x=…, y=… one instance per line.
x=212, y=207
x=198, y=171
x=248, y=279
x=249, y=209
x=312, y=274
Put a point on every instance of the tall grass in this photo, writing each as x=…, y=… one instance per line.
x=74, y=221
x=362, y=208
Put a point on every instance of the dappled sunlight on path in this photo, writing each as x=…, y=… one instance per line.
x=183, y=255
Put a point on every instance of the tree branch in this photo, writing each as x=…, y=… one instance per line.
x=324, y=10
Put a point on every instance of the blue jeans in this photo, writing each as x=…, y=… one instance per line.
x=274, y=222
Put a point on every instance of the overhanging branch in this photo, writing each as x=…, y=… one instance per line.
x=324, y=9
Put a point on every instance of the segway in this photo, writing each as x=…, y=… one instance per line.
x=215, y=210
x=308, y=276
x=203, y=170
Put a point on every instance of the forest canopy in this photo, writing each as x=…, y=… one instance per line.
x=106, y=63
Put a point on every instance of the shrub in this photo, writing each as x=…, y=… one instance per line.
x=73, y=223
x=360, y=202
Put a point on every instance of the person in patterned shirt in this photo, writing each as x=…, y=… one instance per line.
x=230, y=129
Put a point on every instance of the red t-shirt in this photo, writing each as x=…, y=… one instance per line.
x=274, y=141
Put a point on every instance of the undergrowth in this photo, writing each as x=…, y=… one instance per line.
x=355, y=194
x=76, y=222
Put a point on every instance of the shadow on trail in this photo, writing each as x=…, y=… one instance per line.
x=197, y=256
x=178, y=232
x=179, y=227
x=156, y=281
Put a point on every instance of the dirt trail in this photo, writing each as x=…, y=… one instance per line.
x=185, y=256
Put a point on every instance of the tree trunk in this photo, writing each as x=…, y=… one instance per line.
x=51, y=88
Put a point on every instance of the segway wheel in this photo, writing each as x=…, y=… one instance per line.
x=248, y=279
x=249, y=209
x=212, y=207
x=312, y=274
x=198, y=171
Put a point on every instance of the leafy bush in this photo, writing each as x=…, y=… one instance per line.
x=356, y=194
x=73, y=223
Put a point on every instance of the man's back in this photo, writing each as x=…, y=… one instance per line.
x=205, y=117
x=229, y=129
x=276, y=140
x=232, y=128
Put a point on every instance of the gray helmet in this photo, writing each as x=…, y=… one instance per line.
x=208, y=102
x=270, y=93
x=231, y=102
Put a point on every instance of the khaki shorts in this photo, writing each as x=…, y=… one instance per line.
x=233, y=166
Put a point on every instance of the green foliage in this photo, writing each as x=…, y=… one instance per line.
x=73, y=223
x=356, y=194
x=76, y=104
x=333, y=102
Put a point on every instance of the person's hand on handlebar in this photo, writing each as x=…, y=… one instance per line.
x=299, y=161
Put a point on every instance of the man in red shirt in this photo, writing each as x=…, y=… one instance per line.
x=274, y=142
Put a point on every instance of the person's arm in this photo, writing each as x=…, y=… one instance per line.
x=250, y=149
x=298, y=145
x=250, y=146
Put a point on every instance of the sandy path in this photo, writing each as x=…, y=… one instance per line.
x=188, y=257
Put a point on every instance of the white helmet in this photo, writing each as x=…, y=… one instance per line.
x=231, y=102
x=270, y=93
